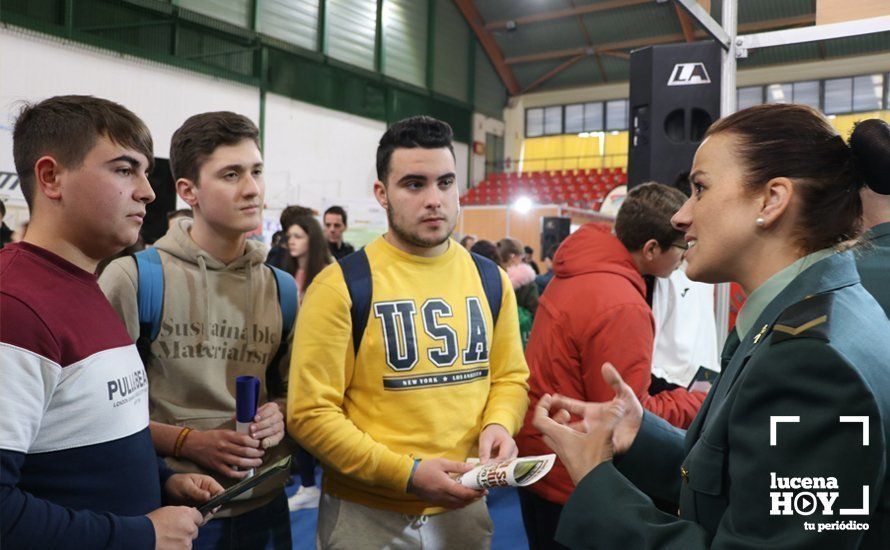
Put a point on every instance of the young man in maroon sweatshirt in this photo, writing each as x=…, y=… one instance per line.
x=79, y=469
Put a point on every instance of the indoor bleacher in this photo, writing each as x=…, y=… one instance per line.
x=577, y=188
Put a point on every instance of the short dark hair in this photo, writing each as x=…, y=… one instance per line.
x=486, y=249
x=646, y=214
x=200, y=135
x=797, y=142
x=67, y=128
x=2, y=209
x=338, y=210
x=419, y=131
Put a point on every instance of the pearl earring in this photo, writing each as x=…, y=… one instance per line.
x=760, y=222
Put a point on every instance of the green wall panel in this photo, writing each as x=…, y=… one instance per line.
x=292, y=21
x=332, y=87
x=404, y=104
x=235, y=12
x=145, y=29
x=404, y=40
x=217, y=51
x=453, y=40
x=51, y=12
x=161, y=32
x=491, y=96
x=351, y=31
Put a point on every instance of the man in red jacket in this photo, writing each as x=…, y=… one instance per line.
x=595, y=311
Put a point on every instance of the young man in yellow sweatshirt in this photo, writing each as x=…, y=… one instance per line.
x=433, y=381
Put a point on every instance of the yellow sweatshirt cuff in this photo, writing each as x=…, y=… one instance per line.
x=395, y=475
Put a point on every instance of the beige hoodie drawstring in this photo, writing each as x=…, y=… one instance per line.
x=202, y=264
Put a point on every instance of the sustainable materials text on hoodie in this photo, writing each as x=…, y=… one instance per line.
x=219, y=321
x=594, y=311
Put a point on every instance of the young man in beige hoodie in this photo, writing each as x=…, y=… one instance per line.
x=221, y=318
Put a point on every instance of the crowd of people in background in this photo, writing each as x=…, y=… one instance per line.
x=393, y=364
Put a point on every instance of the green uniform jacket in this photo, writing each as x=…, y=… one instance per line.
x=873, y=263
x=819, y=351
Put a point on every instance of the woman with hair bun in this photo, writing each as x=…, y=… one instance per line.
x=790, y=449
x=871, y=143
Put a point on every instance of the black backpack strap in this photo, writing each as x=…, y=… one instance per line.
x=491, y=284
x=357, y=274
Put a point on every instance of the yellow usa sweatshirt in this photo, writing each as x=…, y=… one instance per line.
x=431, y=372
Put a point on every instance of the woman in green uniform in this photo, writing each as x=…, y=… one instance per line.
x=790, y=449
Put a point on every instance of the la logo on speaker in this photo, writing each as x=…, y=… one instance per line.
x=689, y=74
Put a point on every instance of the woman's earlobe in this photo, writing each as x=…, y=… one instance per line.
x=780, y=191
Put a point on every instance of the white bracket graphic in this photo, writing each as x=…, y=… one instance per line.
x=773, y=420
x=863, y=511
x=864, y=420
x=861, y=420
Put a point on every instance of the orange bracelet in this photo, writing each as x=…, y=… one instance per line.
x=177, y=448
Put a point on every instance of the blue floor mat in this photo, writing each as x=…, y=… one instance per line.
x=503, y=505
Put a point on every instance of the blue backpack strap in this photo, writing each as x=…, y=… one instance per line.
x=357, y=274
x=491, y=283
x=149, y=295
x=287, y=299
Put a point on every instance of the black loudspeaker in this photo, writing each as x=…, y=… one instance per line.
x=161, y=179
x=554, y=230
x=674, y=98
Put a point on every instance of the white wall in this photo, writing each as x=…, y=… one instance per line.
x=318, y=157
x=462, y=154
x=34, y=67
x=315, y=155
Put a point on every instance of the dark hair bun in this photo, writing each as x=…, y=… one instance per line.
x=870, y=142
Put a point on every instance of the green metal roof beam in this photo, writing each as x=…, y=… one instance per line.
x=139, y=25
